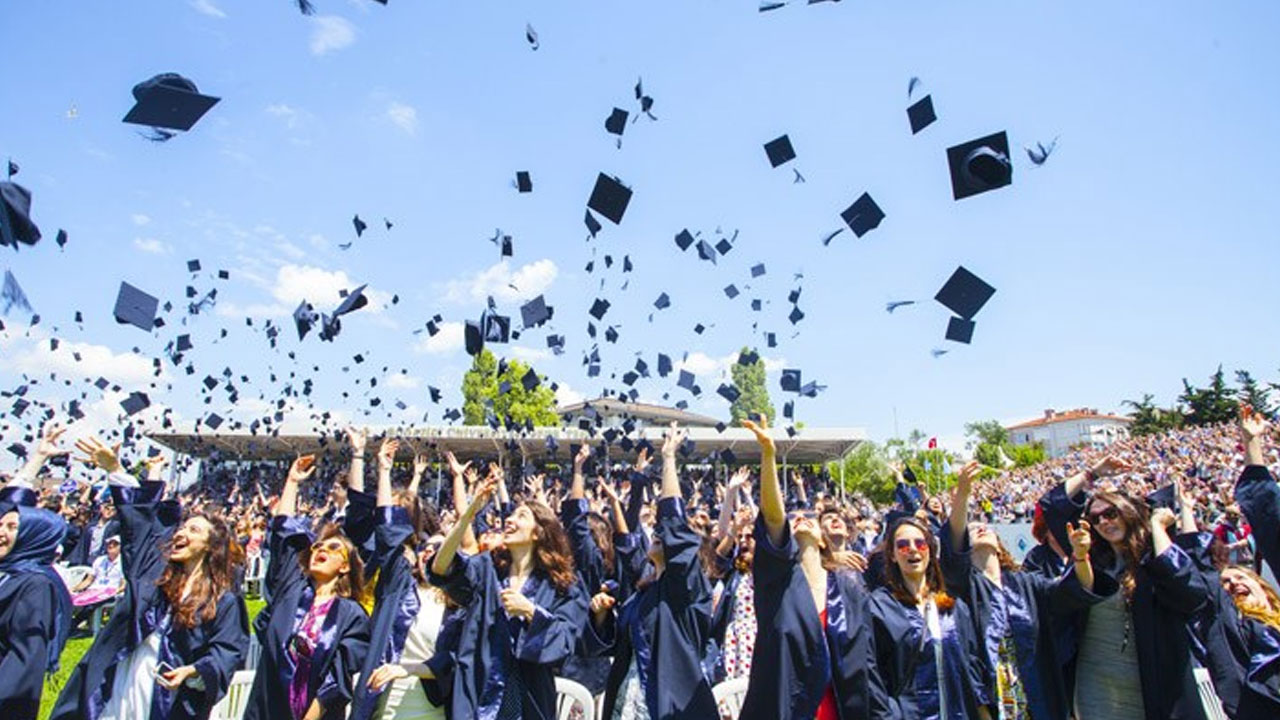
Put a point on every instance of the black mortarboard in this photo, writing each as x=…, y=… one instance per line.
x=16, y=225
x=61, y=239
x=609, y=198
x=757, y=304
x=304, y=317
x=964, y=293
x=811, y=389
x=530, y=380
x=507, y=248
x=706, y=252
x=980, y=165
x=535, y=312
x=960, y=330
x=1164, y=497
x=616, y=123
x=213, y=421
x=599, y=308
x=473, y=337
x=724, y=246
x=749, y=357
x=193, y=266
x=771, y=339
x=224, y=275
x=795, y=316
x=168, y=100
x=524, y=183
x=863, y=215
x=684, y=239
x=780, y=151
x=791, y=380
x=789, y=409
x=921, y=114
x=360, y=225
x=686, y=380
x=699, y=328
x=728, y=457
x=731, y=291
x=352, y=302
x=12, y=295
x=135, y=403
x=909, y=475
x=435, y=393
x=664, y=365
x=611, y=334
x=728, y=392
x=663, y=302
x=556, y=343
x=135, y=307
x=184, y=343
x=757, y=270
x=497, y=328
x=593, y=225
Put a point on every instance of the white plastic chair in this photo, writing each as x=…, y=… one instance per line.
x=1209, y=696
x=255, y=652
x=74, y=575
x=729, y=695
x=232, y=705
x=570, y=695
x=254, y=574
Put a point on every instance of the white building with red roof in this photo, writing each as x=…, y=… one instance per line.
x=1061, y=432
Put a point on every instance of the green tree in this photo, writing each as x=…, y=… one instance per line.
x=1210, y=405
x=1252, y=393
x=1148, y=419
x=481, y=387
x=991, y=439
x=867, y=472
x=753, y=395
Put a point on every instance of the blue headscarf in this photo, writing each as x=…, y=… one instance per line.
x=40, y=533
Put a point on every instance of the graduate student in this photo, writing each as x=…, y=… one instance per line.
x=35, y=608
x=525, y=610
x=658, y=636
x=401, y=676
x=180, y=631
x=313, y=632
x=814, y=652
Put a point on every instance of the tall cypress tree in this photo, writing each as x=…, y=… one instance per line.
x=753, y=393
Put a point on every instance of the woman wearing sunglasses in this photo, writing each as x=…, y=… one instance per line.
x=814, y=654
x=313, y=631
x=524, y=611
x=179, y=631
x=1013, y=611
x=1134, y=657
x=928, y=658
x=400, y=676
x=657, y=637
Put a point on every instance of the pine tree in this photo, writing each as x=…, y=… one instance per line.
x=753, y=395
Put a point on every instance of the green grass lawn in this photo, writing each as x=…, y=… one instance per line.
x=79, y=646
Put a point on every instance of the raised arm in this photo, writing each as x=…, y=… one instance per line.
x=1083, y=481
x=303, y=467
x=386, y=460
x=620, y=526
x=959, y=519
x=46, y=449
x=670, y=476
x=578, y=489
x=358, y=438
x=772, y=505
x=457, y=470
x=729, y=503
x=802, y=496
x=1081, y=542
x=443, y=559
x=419, y=469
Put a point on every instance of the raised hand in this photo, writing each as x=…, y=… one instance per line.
x=967, y=474
x=516, y=604
x=1110, y=465
x=456, y=467
x=99, y=455
x=739, y=478
x=607, y=488
x=1163, y=518
x=584, y=454
x=1252, y=424
x=759, y=429
x=357, y=438
x=387, y=454
x=642, y=460
x=419, y=464
x=533, y=488
x=155, y=464
x=671, y=440
x=48, y=446
x=303, y=467
x=1081, y=539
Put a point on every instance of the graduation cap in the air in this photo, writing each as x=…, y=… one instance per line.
x=135, y=403
x=686, y=380
x=524, y=183
x=193, y=266
x=213, y=421
x=664, y=365
x=779, y=151
x=609, y=198
x=960, y=330
x=497, y=328
x=964, y=293
x=352, y=301
x=731, y=291
x=980, y=165
x=304, y=317
x=170, y=101
x=473, y=337
x=863, y=215
x=663, y=302
x=135, y=307
x=530, y=380
x=16, y=225
x=359, y=225
x=757, y=270
x=728, y=392
x=707, y=252
x=11, y=295
x=599, y=308
x=921, y=114
x=684, y=239
x=535, y=312
x=616, y=123
x=1164, y=497
x=434, y=393
x=811, y=389
x=791, y=381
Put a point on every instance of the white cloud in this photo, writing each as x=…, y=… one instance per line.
x=449, y=339
x=140, y=219
x=403, y=381
x=404, y=116
x=282, y=110
x=330, y=32
x=295, y=283
x=151, y=245
x=505, y=286
x=566, y=395
x=125, y=369
x=528, y=354
x=704, y=365
x=206, y=7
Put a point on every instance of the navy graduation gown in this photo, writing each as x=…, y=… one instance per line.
x=343, y=642
x=1029, y=600
x=1168, y=592
x=1043, y=560
x=1258, y=496
x=722, y=616
x=214, y=647
x=666, y=624
x=588, y=561
x=795, y=657
x=395, y=608
x=907, y=673
x=492, y=646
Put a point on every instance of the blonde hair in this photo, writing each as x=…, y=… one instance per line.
x=1268, y=614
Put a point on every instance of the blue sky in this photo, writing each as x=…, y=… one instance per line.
x=1138, y=254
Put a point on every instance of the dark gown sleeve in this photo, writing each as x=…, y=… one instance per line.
x=1262, y=677
x=288, y=537
x=587, y=559
x=556, y=625
x=683, y=578
x=224, y=650
x=467, y=576
x=24, y=649
x=338, y=686
x=1178, y=584
x=1059, y=509
x=631, y=552
x=359, y=523
x=146, y=525
x=635, y=501
x=1259, y=498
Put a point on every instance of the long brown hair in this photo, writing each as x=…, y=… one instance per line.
x=350, y=585
x=1270, y=614
x=602, y=532
x=933, y=582
x=1137, y=538
x=551, y=553
x=223, y=556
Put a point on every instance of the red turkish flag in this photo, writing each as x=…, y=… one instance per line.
x=933, y=443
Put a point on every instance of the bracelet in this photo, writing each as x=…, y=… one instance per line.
x=1080, y=559
x=1090, y=476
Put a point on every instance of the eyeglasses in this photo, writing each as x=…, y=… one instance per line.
x=1110, y=515
x=905, y=544
x=332, y=546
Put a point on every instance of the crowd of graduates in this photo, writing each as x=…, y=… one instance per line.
x=650, y=587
